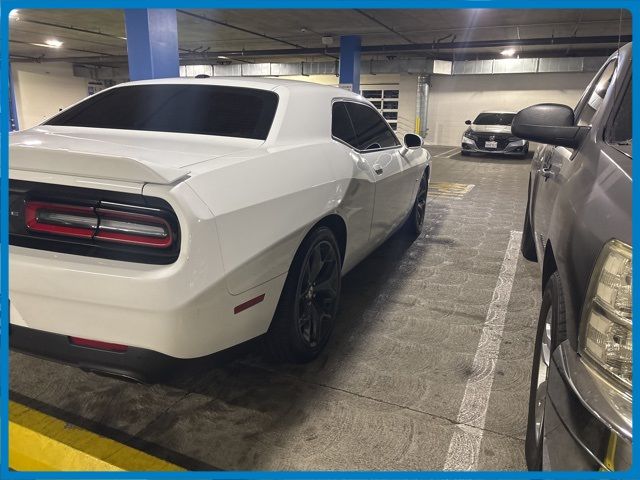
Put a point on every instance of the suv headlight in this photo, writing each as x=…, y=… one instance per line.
x=606, y=322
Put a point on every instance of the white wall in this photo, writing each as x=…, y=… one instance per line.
x=454, y=99
x=42, y=89
x=407, y=85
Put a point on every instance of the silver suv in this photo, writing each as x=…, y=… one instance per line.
x=578, y=228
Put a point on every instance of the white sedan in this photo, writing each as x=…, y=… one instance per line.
x=176, y=218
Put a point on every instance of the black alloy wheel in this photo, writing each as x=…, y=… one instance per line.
x=317, y=293
x=305, y=316
x=416, y=218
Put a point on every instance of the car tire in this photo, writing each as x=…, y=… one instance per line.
x=415, y=220
x=551, y=331
x=305, y=315
x=527, y=244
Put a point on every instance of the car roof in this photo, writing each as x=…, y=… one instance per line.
x=261, y=83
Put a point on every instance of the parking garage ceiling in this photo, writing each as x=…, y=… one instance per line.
x=98, y=37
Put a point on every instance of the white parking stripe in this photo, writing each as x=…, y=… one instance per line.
x=457, y=150
x=444, y=153
x=464, y=449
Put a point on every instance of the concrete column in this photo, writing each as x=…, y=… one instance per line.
x=350, y=62
x=152, y=43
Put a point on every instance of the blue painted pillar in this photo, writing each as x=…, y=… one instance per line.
x=13, y=112
x=152, y=43
x=350, y=62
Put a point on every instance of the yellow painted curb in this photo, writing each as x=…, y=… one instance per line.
x=38, y=442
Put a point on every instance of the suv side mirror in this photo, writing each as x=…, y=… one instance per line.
x=549, y=123
x=411, y=140
x=467, y=122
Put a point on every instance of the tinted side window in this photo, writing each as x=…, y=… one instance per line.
x=341, y=126
x=371, y=130
x=619, y=133
x=594, y=98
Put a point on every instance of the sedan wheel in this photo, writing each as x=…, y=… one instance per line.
x=306, y=312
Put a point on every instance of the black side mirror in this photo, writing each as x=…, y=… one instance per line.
x=549, y=123
x=411, y=140
x=467, y=122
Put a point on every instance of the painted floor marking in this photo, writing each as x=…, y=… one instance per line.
x=457, y=150
x=448, y=151
x=449, y=190
x=41, y=443
x=464, y=449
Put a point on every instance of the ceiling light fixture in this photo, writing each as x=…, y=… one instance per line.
x=53, y=43
x=13, y=15
x=508, y=52
x=223, y=57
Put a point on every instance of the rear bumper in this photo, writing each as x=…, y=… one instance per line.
x=587, y=422
x=135, y=363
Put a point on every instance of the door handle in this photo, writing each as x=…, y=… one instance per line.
x=545, y=172
x=378, y=169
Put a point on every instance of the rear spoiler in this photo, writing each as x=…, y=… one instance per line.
x=111, y=167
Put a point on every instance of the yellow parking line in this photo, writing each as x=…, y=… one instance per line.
x=38, y=442
x=449, y=190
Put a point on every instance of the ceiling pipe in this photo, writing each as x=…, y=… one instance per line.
x=240, y=29
x=383, y=25
x=415, y=48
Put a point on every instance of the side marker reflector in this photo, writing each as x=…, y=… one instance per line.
x=248, y=304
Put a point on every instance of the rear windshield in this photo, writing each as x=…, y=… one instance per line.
x=494, y=119
x=201, y=109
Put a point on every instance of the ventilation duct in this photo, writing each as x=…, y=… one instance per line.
x=418, y=66
x=528, y=65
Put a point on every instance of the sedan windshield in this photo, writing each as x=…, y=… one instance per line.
x=494, y=119
x=179, y=108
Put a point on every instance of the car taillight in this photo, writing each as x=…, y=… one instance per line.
x=57, y=219
x=133, y=228
x=125, y=226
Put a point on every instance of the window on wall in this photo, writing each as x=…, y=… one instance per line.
x=385, y=100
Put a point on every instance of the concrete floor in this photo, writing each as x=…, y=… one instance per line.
x=387, y=391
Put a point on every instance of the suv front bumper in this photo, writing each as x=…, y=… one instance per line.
x=587, y=423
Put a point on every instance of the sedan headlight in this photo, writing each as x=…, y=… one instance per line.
x=606, y=322
x=469, y=134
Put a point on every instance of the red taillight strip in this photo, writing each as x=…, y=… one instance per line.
x=33, y=223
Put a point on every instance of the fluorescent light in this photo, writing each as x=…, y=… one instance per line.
x=508, y=52
x=223, y=57
x=53, y=43
x=13, y=14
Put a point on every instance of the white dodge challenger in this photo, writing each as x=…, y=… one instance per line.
x=176, y=218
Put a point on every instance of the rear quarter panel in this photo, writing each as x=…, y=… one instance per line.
x=264, y=205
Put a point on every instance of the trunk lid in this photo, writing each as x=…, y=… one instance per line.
x=125, y=155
